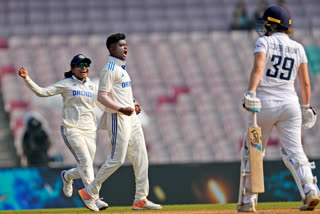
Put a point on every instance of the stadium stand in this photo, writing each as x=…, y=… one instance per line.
x=35, y=17
x=188, y=71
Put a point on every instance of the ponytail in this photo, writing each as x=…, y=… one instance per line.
x=68, y=74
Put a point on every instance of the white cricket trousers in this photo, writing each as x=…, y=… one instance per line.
x=126, y=139
x=82, y=144
x=287, y=120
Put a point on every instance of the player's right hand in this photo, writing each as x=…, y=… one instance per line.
x=126, y=110
x=23, y=72
x=137, y=108
x=250, y=102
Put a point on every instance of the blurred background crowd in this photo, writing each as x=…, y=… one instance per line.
x=189, y=61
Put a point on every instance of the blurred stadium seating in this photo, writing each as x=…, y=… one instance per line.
x=189, y=71
x=64, y=17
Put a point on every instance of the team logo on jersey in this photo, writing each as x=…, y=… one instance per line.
x=74, y=85
x=260, y=45
x=122, y=75
x=126, y=84
x=82, y=93
x=90, y=86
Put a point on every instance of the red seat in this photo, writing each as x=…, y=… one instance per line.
x=4, y=43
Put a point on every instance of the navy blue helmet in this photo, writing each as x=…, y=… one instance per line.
x=277, y=15
x=273, y=15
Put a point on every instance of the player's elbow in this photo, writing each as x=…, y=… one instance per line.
x=306, y=85
x=40, y=95
x=99, y=98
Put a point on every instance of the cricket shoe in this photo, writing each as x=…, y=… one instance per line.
x=89, y=201
x=249, y=207
x=67, y=186
x=101, y=204
x=311, y=201
x=146, y=205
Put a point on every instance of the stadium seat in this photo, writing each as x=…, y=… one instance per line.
x=188, y=71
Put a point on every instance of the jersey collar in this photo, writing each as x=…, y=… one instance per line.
x=119, y=62
x=280, y=34
x=75, y=78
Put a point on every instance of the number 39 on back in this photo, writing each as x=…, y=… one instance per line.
x=287, y=65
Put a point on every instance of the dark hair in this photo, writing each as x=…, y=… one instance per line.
x=114, y=38
x=68, y=74
x=282, y=29
x=288, y=31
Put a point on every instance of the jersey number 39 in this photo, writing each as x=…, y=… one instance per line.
x=286, y=67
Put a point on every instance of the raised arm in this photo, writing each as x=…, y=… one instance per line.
x=39, y=91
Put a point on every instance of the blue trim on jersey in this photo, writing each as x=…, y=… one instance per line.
x=111, y=65
x=68, y=144
x=114, y=130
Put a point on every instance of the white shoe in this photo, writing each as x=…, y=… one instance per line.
x=89, y=201
x=311, y=201
x=101, y=204
x=67, y=186
x=249, y=207
x=146, y=205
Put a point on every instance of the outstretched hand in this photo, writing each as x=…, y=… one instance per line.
x=23, y=72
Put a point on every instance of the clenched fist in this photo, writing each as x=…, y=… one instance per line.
x=137, y=108
x=126, y=110
x=23, y=72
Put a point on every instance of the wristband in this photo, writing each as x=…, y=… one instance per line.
x=305, y=106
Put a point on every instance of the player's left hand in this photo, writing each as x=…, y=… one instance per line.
x=309, y=117
x=137, y=108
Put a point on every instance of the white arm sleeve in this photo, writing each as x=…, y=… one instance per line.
x=261, y=45
x=57, y=88
x=303, y=54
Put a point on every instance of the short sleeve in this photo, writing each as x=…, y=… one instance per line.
x=261, y=45
x=304, y=58
x=106, y=80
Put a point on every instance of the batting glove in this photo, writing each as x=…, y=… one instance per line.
x=250, y=102
x=309, y=117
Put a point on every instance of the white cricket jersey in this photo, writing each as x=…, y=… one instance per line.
x=115, y=80
x=79, y=100
x=284, y=57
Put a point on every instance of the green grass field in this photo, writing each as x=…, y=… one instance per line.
x=279, y=207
